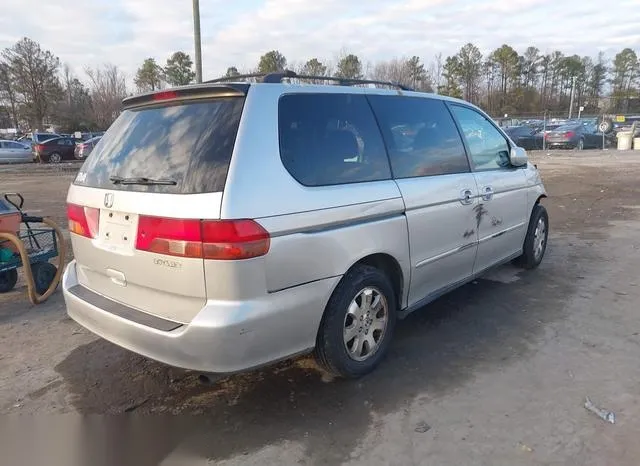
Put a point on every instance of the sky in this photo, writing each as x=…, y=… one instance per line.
x=237, y=32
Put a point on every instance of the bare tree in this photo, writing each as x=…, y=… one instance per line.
x=108, y=88
x=74, y=111
x=8, y=93
x=394, y=70
x=435, y=72
x=409, y=72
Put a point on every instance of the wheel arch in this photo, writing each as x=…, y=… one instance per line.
x=391, y=268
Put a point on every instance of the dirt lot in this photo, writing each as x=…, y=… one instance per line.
x=494, y=373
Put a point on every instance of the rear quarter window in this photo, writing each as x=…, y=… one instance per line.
x=190, y=143
x=330, y=139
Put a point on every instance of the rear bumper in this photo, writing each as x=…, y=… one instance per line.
x=224, y=337
x=561, y=144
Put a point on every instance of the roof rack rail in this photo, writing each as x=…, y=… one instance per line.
x=237, y=77
x=288, y=74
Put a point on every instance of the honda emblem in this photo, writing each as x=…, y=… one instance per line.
x=108, y=200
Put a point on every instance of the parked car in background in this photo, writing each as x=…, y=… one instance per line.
x=90, y=134
x=37, y=138
x=14, y=152
x=84, y=148
x=530, y=137
x=526, y=137
x=574, y=136
x=54, y=150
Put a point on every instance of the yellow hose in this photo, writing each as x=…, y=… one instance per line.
x=34, y=297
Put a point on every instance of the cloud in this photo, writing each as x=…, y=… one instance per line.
x=125, y=32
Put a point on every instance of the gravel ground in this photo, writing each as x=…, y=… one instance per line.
x=493, y=373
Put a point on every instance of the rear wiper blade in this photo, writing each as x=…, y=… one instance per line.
x=142, y=181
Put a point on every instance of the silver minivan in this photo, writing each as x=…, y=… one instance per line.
x=223, y=226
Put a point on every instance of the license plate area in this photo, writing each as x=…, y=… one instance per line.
x=118, y=230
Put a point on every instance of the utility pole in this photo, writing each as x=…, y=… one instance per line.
x=196, y=39
x=573, y=89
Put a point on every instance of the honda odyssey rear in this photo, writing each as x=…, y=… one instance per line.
x=144, y=218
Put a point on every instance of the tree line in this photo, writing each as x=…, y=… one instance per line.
x=502, y=82
x=36, y=88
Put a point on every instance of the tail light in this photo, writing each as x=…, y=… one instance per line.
x=207, y=239
x=165, y=95
x=83, y=221
x=39, y=147
x=569, y=134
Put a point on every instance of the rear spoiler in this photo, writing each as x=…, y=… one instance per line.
x=187, y=93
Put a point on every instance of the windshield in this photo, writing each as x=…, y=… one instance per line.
x=189, y=143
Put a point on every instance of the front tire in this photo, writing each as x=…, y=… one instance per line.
x=358, y=323
x=535, y=243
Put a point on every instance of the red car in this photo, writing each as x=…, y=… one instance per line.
x=54, y=150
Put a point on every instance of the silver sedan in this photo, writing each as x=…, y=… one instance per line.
x=15, y=152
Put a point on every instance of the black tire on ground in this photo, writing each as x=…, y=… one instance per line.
x=55, y=158
x=43, y=275
x=8, y=280
x=532, y=250
x=331, y=350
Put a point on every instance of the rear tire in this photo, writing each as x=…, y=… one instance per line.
x=8, y=280
x=43, y=275
x=535, y=243
x=55, y=158
x=358, y=323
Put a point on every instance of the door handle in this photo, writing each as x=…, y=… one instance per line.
x=466, y=196
x=487, y=193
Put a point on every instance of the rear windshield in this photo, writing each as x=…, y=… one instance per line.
x=519, y=131
x=188, y=143
x=45, y=137
x=567, y=128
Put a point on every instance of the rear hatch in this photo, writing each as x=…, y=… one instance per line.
x=136, y=207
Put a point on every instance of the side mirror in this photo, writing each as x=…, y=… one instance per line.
x=518, y=157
